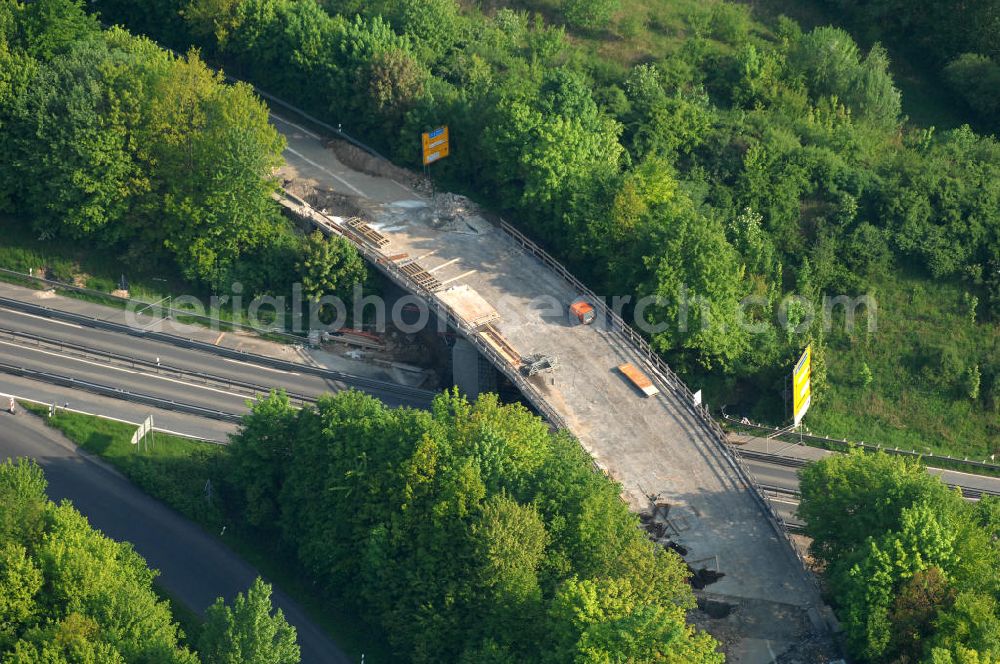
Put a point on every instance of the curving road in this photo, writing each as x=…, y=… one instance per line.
x=194, y=567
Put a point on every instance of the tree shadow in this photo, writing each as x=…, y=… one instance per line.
x=98, y=442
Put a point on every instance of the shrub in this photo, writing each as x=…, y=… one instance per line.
x=730, y=23
x=589, y=14
x=976, y=78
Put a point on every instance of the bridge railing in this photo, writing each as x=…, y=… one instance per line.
x=669, y=380
x=442, y=310
x=845, y=445
x=659, y=369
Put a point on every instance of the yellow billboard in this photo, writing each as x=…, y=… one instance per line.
x=801, y=388
x=436, y=144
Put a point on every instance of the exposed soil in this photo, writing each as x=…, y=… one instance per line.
x=355, y=158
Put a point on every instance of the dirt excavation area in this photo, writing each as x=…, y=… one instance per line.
x=672, y=471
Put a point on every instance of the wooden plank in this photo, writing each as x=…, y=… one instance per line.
x=501, y=345
x=639, y=379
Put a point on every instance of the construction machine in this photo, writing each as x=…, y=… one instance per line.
x=583, y=312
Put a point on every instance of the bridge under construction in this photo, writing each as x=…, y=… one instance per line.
x=665, y=450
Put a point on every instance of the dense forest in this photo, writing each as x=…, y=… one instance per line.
x=470, y=533
x=68, y=594
x=110, y=141
x=958, y=39
x=726, y=159
x=910, y=566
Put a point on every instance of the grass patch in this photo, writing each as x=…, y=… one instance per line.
x=77, y=263
x=912, y=403
x=72, y=264
x=174, y=469
x=649, y=30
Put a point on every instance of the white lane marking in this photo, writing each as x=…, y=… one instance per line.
x=261, y=366
x=405, y=188
x=299, y=127
x=128, y=371
x=47, y=320
x=116, y=419
x=327, y=171
x=774, y=657
x=317, y=137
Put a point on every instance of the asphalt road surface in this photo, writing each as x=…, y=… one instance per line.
x=786, y=477
x=183, y=358
x=194, y=567
x=95, y=404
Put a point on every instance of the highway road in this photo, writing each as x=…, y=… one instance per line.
x=165, y=420
x=16, y=348
x=128, y=380
x=781, y=472
x=194, y=567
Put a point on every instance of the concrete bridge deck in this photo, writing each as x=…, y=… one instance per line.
x=653, y=446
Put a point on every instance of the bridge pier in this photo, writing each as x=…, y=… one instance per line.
x=472, y=373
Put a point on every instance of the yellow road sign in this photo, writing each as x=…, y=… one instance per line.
x=801, y=385
x=435, y=144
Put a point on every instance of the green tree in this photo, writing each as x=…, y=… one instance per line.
x=847, y=499
x=698, y=284
x=247, y=632
x=541, y=152
x=203, y=132
x=67, y=592
x=20, y=583
x=865, y=376
x=433, y=25
x=831, y=63
x=212, y=19
x=510, y=541
x=977, y=78
x=603, y=621
x=72, y=136
x=329, y=266
x=259, y=458
x=53, y=27
x=867, y=590
x=456, y=526
x=22, y=489
x=909, y=564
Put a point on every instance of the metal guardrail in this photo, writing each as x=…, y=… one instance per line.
x=168, y=311
x=413, y=394
x=669, y=380
x=845, y=445
x=248, y=389
x=117, y=393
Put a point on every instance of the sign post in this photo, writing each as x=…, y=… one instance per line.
x=436, y=146
x=801, y=385
x=144, y=428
